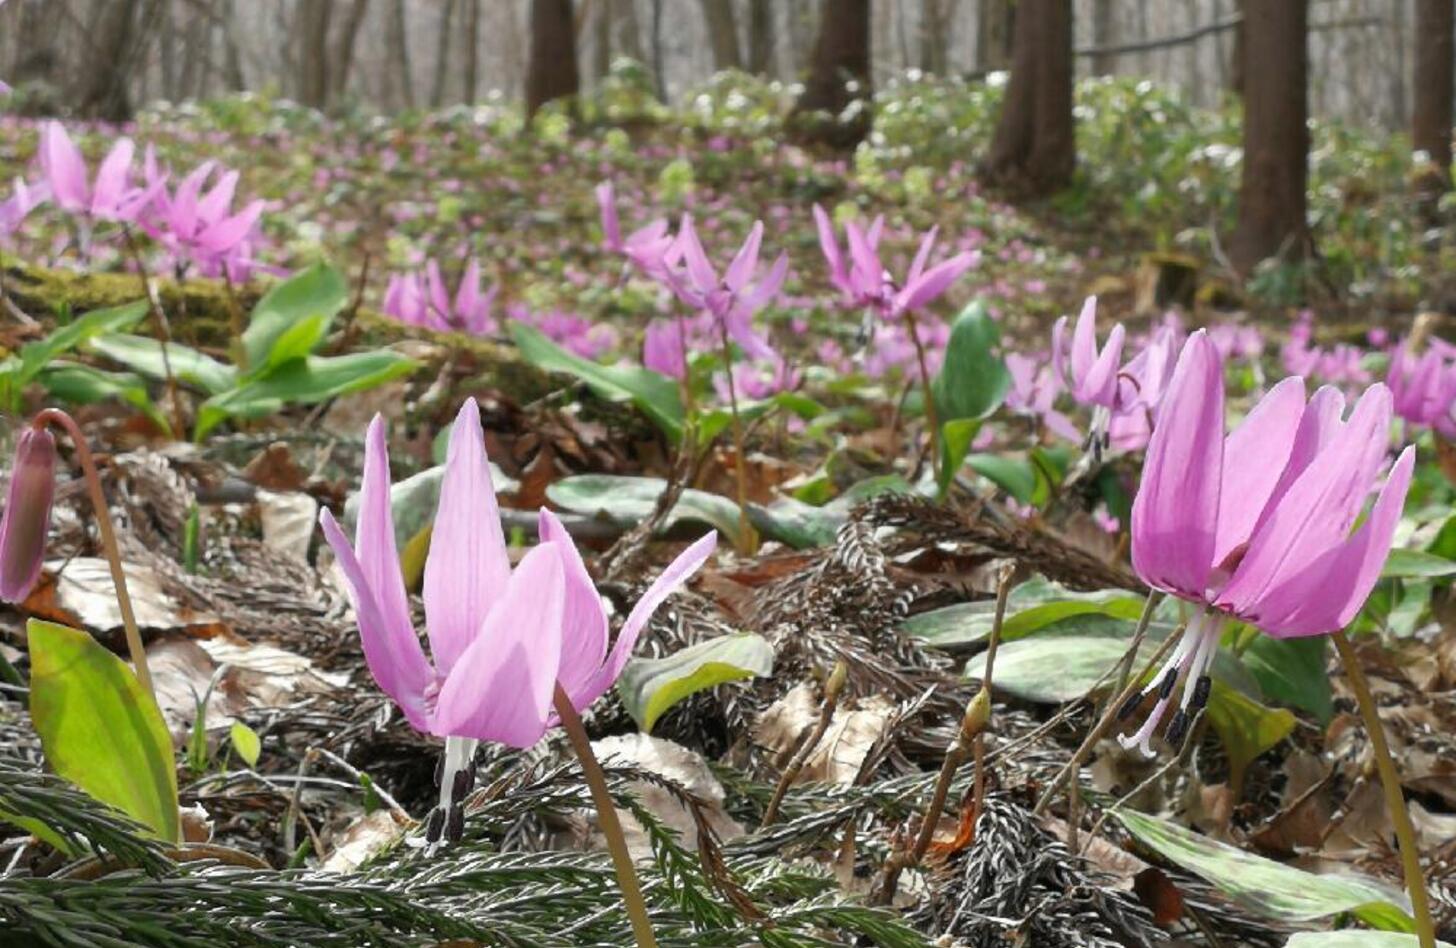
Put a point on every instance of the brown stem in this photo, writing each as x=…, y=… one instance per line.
x=1405, y=835
x=749, y=541
x=929, y=396
x=54, y=416
x=801, y=756
x=164, y=329
x=596, y=781
x=1003, y=593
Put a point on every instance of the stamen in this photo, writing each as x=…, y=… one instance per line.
x=1201, y=691
x=1170, y=679
x=433, y=826
x=455, y=825
x=1133, y=702
x=1177, y=727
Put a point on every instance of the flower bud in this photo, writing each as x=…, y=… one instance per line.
x=27, y=517
x=978, y=715
x=835, y=684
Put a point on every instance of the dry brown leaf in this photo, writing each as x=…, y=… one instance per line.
x=853, y=730
x=362, y=839
x=80, y=593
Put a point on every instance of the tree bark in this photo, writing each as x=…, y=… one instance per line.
x=1034, y=150
x=1104, y=33
x=471, y=79
x=344, y=47
x=551, y=73
x=1272, y=220
x=312, y=28
x=935, y=20
x=839, y=75
x=722, y=33
x=232, y=56
x=760, y=37
x=399, y=54
x=602, y=40
x=119, y=41
x=1240, y=54
x=1431, y=115
x=994, y=28
x=442, y=55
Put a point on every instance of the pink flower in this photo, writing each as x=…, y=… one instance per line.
x=1423, y=390
x=645, y=247
x=864, y=281
x=200, y=227
x=733, y=298
x=1033, y=392
x=27, y=517
x=110, y=197
x=23, y=199
x=1256, y=525
x=422, y=299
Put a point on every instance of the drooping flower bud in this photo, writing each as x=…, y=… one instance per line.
x=27, y=516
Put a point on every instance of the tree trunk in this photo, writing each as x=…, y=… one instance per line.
x=722, y=33
x=935, y=19
x=839, y=74
x=233, y=56
x=551, y=73
x=1104, y=33
x=1034, y=150
x=602, y=40
x=1431, y=116
x=312, y=28
x=167, y=53
x=626, y=30
x=995, y=24
x=659, y=76
x=1272, y=217
x=399, y=54
x=344, y=48
x=442, y=55
x=118, y=43
x=1240, y=55
x=760, y=37
x=471, y=79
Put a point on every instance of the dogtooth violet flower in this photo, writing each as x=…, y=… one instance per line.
x=500, y=639
x=110, y=196
x=27, y=516
x=1256, y=525
x=866, y=282
x=196, y=224
x=422, y=299
x=1423, y=389
x=645, y=247
x=1090, y=374
x=733, y=298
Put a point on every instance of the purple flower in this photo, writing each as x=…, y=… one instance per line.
x=645, y=247
x=1033, y=392
x=1256, y=525
x=1423, y=389
x=110, y=196
x=23, y=199
x=422, y=299
x=733, y=298
x=200, y=227
x=866, y=283
x=27, y=517
x=500, y=639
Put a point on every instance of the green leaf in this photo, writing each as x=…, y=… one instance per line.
x=627, y=501
x=34, y=356
x=1246, y=728
x=955, y=443
x=655, y=394
x=292, y=318
x=303, y=381
x=1268, y=888
x=1033, y=605
x=1293, y=672
x=82, y=385
x=1416, y=564
x=973, y=380
x=245, y=741
x=144, y=355
x=648, y=687
x=1016, y=476
x=99, y=728
x=1357, y=938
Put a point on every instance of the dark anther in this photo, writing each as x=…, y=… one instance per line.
x=434, y=824
x=1177, y=728
x=439, y=770
x=1201, y=690
x=463, y=783
x=455, y=826
x=1166, y=688
x=1133, y=702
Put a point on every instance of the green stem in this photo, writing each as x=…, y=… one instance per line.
x=1405, y=834
x=54, y=416
x=748, y=543
x=927, y=394
x=607, y=818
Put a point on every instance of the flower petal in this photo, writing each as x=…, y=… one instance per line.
x=583, y=618
x=829, y=245
x=500, y=688
x=375, y=542
x=64, y=168
x=468, y=568
x=1260, y=447
x=740, y=271
x=1175, y=514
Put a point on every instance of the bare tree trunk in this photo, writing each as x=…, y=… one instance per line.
x=551, y=73
x=195, y=54
x=471, y=79
x=312, y=29
x=442, y=55
x=1104, y=33
x=935, y=19
x=658, y=75
x=119, y=40
x=627, y=30
x=1431, y=116
x=344, y=46
x=399, y=53
x=1241, y=55
x=722, y=33
x=760, y=37
x=602, y=40
x=167, y=52
x=994, y=29
x=233, y=57
x=839, y=74
x=1035, y=148
x=37, y=58
x=1276, y=138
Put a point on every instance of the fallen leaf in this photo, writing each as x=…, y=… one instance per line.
x=289, y=520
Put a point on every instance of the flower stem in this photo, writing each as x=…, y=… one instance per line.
x=54, y=416
x=928, y=395
x=1410, y=857
x=607, y=818
x=748, y=542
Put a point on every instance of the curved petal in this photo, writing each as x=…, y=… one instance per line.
x=829, y=246
x=501, y=687
x=922, y=256
x=705, y=280
x=1259, y=448
x=740, y=271
x=468, y=568
x=1175, y=514
x=112, y=177
x=925, y=288
x=392, y=652
x=64, y=167
x=583, y=618
x=1098, y=386
x=1059, y=351
x=375, y=541
x=1084, y=341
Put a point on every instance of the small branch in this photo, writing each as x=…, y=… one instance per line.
x=811, y=740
